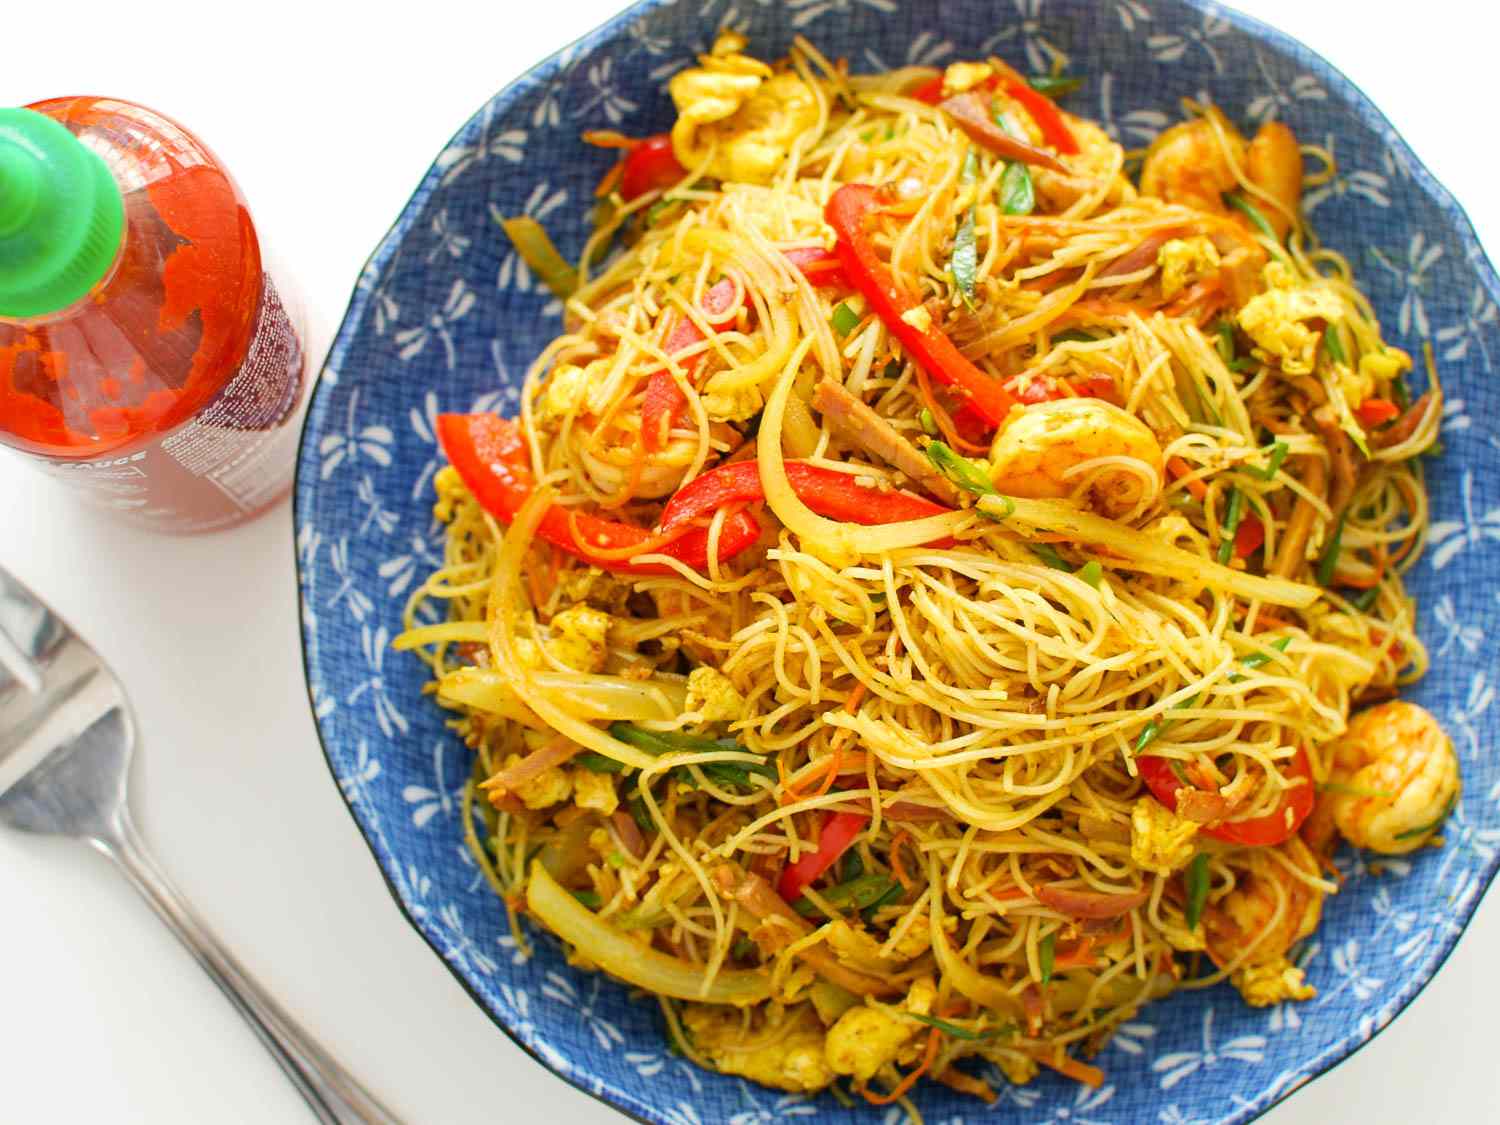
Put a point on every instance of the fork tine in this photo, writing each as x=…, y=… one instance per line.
x=26, y=625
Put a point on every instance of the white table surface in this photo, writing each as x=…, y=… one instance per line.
x=102, y=1017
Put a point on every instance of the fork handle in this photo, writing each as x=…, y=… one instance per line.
x=333, y=1094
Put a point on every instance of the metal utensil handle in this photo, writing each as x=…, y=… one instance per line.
x=334, y=1095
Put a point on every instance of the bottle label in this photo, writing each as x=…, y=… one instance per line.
x=234, y=456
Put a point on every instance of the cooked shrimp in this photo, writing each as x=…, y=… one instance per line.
x=1190, y=164
x=1187, y=164
x=1396, y=777
x=1274, y=164
x=1252, y=926
x=1075, y=446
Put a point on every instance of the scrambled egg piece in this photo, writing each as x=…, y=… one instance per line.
x=856, y=947
x=1183, y=261
x=919, y=318
x=550, y=787
x=1277, y=320
x=595, y=587
x=736, y=109
x=917, y=939
x=451, y=492
x=527, y=654
x=1160, y=840
x=733, y=406
x=795, y=1062
x=866, y=1040
x=1385, y=365
x=1271, y=983
x=1375, y=369
x=713, y=695
x=567, y=388
x=594, y=791
x=580, y=637
x=961, y=76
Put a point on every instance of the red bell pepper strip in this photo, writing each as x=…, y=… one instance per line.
x=650, y=164
x=1273, y=828
x=1249, y=537
x=663, y=402
x=840, y=830
x=971, y=425
x=489, y=453
x=930, y=91
x=822, y=268
x=838, y=496
x=1047, y=116
x=847, y=212
x=1376, y=411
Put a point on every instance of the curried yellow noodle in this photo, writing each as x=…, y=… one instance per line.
x=869, y=787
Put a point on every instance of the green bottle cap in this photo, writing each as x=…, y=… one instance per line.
x=61, y=216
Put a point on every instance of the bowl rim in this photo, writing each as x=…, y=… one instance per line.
x=1349, y=93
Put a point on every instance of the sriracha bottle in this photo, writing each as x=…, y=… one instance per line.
x=147, y=358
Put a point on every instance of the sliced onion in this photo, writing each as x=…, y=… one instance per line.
x=445, y=631
x=590, y=697
x=1140, y=552
x=838, y=540
x=632, y=962
x=984, y=990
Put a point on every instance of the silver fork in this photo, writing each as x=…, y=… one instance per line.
x=66, y=738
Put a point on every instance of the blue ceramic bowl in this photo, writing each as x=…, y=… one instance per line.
x=446, y=318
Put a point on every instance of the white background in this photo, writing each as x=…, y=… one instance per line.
x=328, y=120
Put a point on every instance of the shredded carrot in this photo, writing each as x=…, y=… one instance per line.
x=1094, y=309
x=896, y=868
x=835, y=765
x=943, y=419
x=835, y=760
x=645, y=546
x=852, y=701
x=1070, y=1067
x=1079, y=956
x=854, y=761
x=855, y=697
x=1209, y=287
x=928, y=1058
x=1011, y=893
x=1050, y=281
x=966, y=1084
x=608, y=181
x=1180, y=469
x=1403, y=549
x=608, y=138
